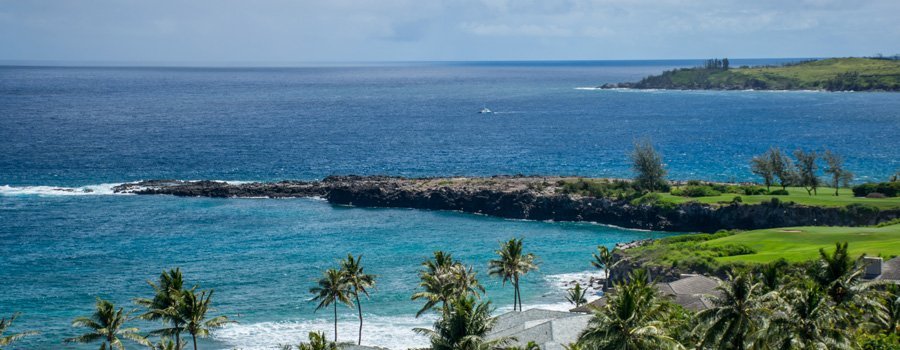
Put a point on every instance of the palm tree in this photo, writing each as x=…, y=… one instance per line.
x=358, y=281
x=107, y=325
x=9, y=339
x=193, y=312
x=511, y=264
x=840, y=276
x=576, y=295
x=735, y=316
x=443, y=279
x=164, y=305
x=463, y=327
x=316, y=342
x=332, y=289
x=606, y=261
x=166, y=343
x=772, y=274
x=630, y=320
x=806, y=321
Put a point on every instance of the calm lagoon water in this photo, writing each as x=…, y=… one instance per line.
x=86, y=128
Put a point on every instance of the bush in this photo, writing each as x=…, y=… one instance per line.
x=599, y=188
x=655, y=200
x=779, y=193
x=876, y=195
x=888, y=189
x=737, y=199
x=696, y=191
x=861, y=209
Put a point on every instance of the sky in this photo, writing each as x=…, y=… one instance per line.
x=285, y=31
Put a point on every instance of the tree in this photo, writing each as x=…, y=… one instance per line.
x=442, y=279
x=606, y=261
x=835, y=168
x=840, y=276
x=771, y=275
x=648, y=167
x=316, y=342
x=166, y=343
x=359, y=282
x=193, y=312
x=781, y=166
x=806, y=170
x=511, y=264
x=762, y=166
x=463, y=327
x=735, y=316
x=332, y=290
x=164, y=305
x=9, y=339
x=107, y=325
x=576, y=295
x=630, y=320
x=806, y=320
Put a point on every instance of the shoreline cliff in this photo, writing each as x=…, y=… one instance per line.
x=521, y=197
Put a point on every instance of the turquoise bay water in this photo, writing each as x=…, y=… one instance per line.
x=85, y=128
x=261, y=256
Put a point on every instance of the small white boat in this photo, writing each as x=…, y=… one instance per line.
x=485, y=110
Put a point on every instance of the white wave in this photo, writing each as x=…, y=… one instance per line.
x=393, y=332
x=90, y=190
x=589, y=280
x=590, y=88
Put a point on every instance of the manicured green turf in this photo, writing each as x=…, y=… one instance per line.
x=803, y=243
x=825, y=198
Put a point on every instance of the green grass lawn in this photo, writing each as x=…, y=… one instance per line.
x=825, y=198
x=803, y=243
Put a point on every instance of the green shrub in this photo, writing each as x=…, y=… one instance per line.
x=779, y=193
x=889, y=189
x=655, y=200
x=599, y=188
x=737, y=199
x=861, y=209
x=696, y=191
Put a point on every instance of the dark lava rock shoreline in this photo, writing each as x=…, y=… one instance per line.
x=519, y=197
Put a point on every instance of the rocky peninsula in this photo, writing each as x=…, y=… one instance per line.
x=524, y=197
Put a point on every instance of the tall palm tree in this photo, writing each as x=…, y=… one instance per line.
x=107, y=325
x=806, y=321
x=606, y=261
x=630, y=320
x=193, y=312
x=576, y=295
x=358, y=281
x=511, y=264
x=9, y=339
x=164, y=305
x=332, y=290
x=463, y=327
x=443, y=279
x=735, y=316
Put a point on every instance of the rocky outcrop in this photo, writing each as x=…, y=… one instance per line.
x=517, y=197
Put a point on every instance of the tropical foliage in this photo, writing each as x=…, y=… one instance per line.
x=464, y=326
x=511, y=263
x=359, y=282
x=317, y=341
x=443, y=279
x=9, y=339
x=107, y=326
x=332, y=290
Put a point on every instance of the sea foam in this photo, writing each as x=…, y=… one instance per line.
x=100, y=189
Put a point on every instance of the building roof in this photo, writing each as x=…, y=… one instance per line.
x=549, y=329
x=890, y=270
x=691, y=291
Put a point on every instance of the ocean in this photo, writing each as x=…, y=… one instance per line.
x=67, y=134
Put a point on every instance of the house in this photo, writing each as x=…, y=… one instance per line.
x=690, y=291
x=878, y=269
x=549, y=329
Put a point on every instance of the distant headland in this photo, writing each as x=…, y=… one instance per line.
x=832, y=74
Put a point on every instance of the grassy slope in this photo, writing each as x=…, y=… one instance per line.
x=808, y=75
x=771, y=244
x=825, y=198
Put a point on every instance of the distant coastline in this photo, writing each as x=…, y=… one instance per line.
x=832, y=74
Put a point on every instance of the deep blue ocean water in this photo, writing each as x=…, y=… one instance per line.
x=77, y=128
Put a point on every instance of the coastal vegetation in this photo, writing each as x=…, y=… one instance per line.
x=511, y=263
x=8, y=339
x=107, y=326
x=832, y=74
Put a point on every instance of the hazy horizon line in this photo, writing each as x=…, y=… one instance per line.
x=298, y=64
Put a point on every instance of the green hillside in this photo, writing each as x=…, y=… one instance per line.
x=833, y=74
